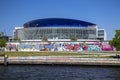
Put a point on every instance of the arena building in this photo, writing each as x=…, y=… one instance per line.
x=59, y=29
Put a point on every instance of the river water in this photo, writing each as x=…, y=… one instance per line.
x=40, y=72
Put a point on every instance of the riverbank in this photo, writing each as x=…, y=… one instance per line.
x=60, y=60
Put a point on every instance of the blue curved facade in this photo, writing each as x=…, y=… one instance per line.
x=60, y=22
x=57, y=29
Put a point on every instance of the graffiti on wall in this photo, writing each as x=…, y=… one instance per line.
x=60, y=46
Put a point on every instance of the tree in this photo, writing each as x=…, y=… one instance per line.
x=3, y=42
x=73, y=38
x=116, y=40
x=16, y=38
x=44, y=38
x=1, y=33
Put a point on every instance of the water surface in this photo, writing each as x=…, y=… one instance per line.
x=38, y=72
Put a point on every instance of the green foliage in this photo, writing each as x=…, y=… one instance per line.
x=44, y=38
x=117, y=35
x=16, y=38
x=1, y=34
x=116, y=40
x=73, y=38
x=3, y=42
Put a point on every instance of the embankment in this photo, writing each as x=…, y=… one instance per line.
x=62, y=60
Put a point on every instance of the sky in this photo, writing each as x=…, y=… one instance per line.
x=104, y=13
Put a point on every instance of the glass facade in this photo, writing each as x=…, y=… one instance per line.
x=100, y=32
x=56, y=33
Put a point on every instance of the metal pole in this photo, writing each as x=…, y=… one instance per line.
x=5, y=58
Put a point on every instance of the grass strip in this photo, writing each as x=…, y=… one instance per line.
x=75, y=54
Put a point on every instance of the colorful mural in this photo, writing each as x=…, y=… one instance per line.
x=60, y=46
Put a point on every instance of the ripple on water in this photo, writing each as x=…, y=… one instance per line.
x=39, y=72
